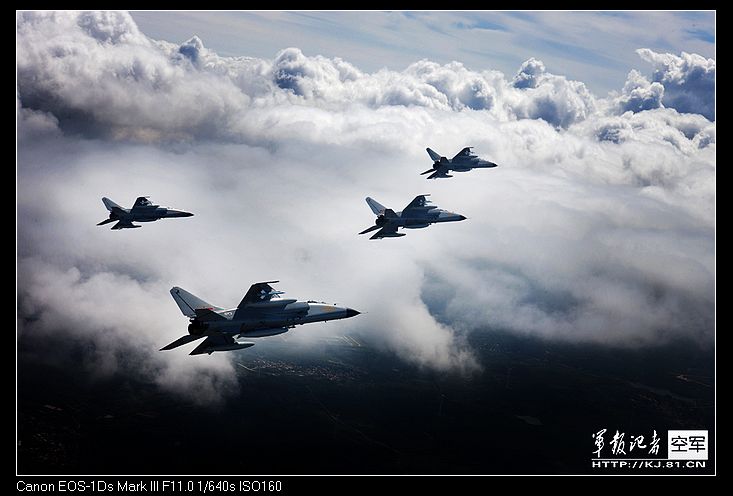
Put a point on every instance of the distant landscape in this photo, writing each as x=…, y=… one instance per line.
x=354, y=410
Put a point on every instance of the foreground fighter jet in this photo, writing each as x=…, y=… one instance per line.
x=464, y=161
x=141, y=211
x=260, y=313
x=415, y=215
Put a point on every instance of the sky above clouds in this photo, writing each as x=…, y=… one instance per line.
x=598, y=226
x=598, y=48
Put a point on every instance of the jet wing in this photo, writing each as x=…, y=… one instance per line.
x=259, y=292
x=124, y=224
x=141, y=201
x=419, y=204
x=466, y=152
x=217, y=339
x=219, y=342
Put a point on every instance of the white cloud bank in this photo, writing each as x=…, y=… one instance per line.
x=598, y=226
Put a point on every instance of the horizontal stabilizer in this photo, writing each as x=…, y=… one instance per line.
x=427, y=171
x=181, y=341
x=388, y=231
x=370, y=229
x=106, y=221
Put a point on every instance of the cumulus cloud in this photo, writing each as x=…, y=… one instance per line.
x=34, y=124
x=598, y=226
x=100, y=70
x=688, y=80
x=529, y=74
x=640, y=94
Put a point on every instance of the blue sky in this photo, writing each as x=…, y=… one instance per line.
x=597, y=48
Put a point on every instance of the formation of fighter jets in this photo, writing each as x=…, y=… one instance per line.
x=419, y=213
x=262, y=312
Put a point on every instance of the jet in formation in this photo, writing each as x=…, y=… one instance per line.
x=419, y=213
x=142, y=211
x=262, y=312
x=463, y=162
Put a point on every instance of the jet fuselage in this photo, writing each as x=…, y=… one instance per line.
x=270, y=318
x=430, y=217
x=149, y=214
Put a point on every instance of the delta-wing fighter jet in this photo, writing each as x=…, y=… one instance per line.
x=142, y=211
x=260, y=313
x=463, y=162
x=419, y=213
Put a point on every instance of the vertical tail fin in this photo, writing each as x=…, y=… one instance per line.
x=434, y=156
x=110, y=204
x=189, y=303
x=376, y=207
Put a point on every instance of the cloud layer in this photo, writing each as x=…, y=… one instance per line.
x=598, y=226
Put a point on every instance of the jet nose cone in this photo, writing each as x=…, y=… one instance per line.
x=179, y=213
x=461, y=217
x=350, y=312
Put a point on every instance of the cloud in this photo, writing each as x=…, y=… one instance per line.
x=598, y=225
x=529, y=74
x=116, y=318
x=555, y=100
x=35, y=124
x=639, y=94
x=688, y=80
x=98, y=72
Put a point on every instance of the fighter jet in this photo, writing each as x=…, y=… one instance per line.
x=464, y=161
x=260, y=313
x=415, y=215
x=142, y=211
